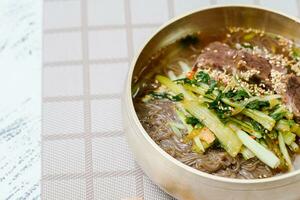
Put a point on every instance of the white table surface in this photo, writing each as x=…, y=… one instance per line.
x=20, y=105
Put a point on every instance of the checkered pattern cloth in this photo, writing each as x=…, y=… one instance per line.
x=88, y=46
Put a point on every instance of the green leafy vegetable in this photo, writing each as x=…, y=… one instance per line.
x=277, y=116
x=177, y=97
x=257, y=126
x=165, y=95
x=235, y=117
x=260, y=117
x=215, y=104
x=177, y=89
x=281, y=111
x=202, y=77
x=247, y=127
x=229, y=94
x=197, y=90
x=185, y=81
x=212, y=86
x=237, y=96
x=258, y=105
x=222, y=110
x=278, y=113
x=240, y=94
x=225, y=135
x=192, y=121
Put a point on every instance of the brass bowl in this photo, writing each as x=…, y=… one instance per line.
x=177, y=179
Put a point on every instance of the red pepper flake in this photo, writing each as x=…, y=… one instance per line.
x=190, y=75
x=252, y=136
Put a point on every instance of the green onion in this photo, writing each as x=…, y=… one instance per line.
x=262, y=118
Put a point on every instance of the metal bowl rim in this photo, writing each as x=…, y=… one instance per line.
x=149, y=139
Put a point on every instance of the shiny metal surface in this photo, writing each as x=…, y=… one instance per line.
x=175, y=178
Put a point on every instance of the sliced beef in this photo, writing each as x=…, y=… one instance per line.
x=258, y=63
x=293, y=94
x=217, y=55
x=221, y=56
